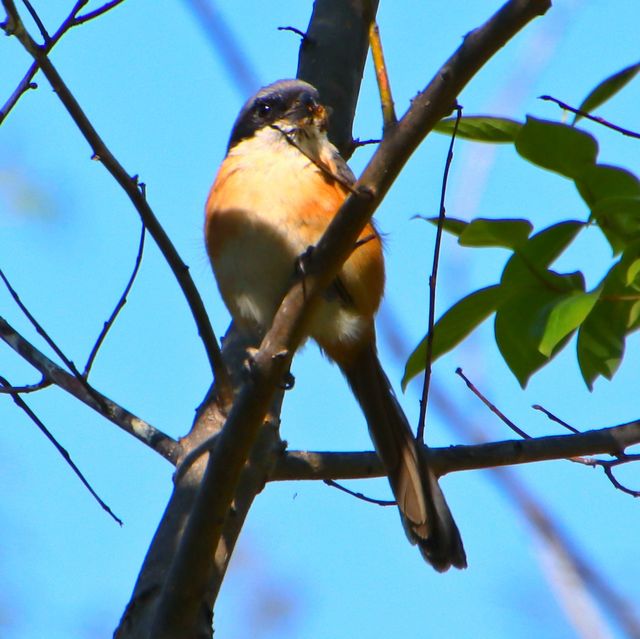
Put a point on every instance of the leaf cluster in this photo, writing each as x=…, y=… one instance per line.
x=537, y=309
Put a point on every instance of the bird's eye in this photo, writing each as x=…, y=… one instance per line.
x=262, y=109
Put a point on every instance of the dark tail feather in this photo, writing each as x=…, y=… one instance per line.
x=425, y=515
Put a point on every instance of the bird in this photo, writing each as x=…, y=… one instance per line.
x=280, y=184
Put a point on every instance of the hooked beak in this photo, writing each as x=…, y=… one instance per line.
x=307, y=111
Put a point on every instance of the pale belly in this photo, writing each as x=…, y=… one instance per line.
x=256, y=269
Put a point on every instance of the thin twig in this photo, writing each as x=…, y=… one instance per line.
x=72, y=20
x=369, y=500
x=593, y=118
x=433, y=278
x=302, y=34
x=27, y=388
x=492, y=407
x=36, y=18
x=389, y=118
x=47, y=338
x=131, y=187
x=608, y=471
x=65, y=454
x=555, y=418
x=358, y=142
x=119, y=306
x=96, y=13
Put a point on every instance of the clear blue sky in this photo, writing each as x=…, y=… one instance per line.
x=311, y=561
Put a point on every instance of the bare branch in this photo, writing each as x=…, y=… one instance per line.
x=72, y=20
x=298, y=32
x=26, y=389
x=14, y=26
x=36, y=18
x=41, y=331
x=147, y=434
x=593, y=118
x=119, y=306
x=433, y=279
x=65, y=454
x=304, y=465
x=360, y=496
x=555, y=418
x=333, y=59
x=492, y=407
x=96, y=13
x=389, y=118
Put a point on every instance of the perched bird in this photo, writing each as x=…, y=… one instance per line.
x=279, y=186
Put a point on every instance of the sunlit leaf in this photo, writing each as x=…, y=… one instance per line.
x=631, y=276
x=607, y=89
x=508, y=233
x=634, y=316
x=567, y=315
x=453, y=327
x=481, y=128
x=556, y=147
x=539, y=252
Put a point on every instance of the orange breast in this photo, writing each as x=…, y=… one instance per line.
x=260, y=218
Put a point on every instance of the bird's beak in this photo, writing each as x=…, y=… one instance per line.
x=308, y=112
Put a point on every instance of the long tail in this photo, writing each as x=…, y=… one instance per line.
x=425, y=515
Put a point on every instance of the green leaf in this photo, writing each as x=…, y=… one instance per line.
x=519, y=327
x=556, y=147
x=481, y=128
x=619, y=220
x=508, y=233
x=450, y=224
x=601, y=181
x=540, y=251
x=634, y=316
x=601, y=337
x=601, y=340
x=453, y=327
x=631, y=276
x=607, y=89
x=565, y=317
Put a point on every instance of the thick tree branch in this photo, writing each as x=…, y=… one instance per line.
x=182, y=595
x=147, y=434
x=297, y=465
x=14, y=26
x=332, y=58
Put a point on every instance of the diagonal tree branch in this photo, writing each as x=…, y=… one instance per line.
x=182, y=595
x=118, y=307
x=14, y=26
x=147, y=434
x=63, y=451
